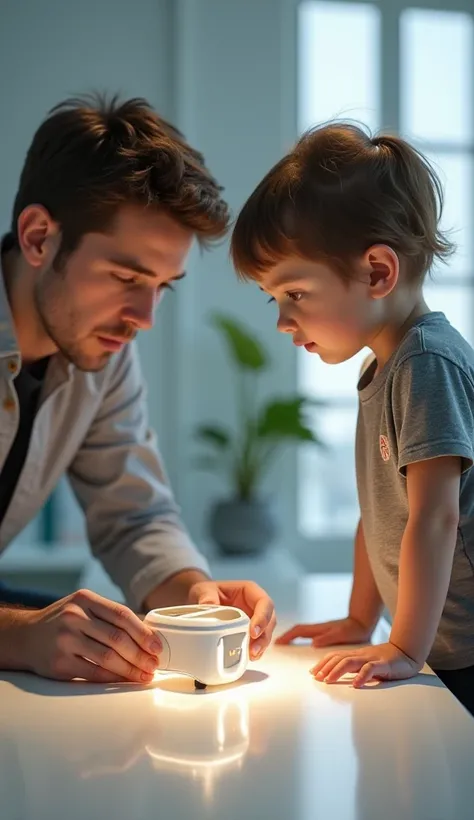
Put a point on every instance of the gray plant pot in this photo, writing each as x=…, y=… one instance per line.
x=242, y=527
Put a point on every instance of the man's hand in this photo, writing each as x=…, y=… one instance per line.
x=87, y=636
x=248, y=597
x=382, y=662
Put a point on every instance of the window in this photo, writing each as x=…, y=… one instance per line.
x=426, y=93
x=333, y=36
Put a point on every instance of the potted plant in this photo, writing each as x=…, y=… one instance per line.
x=244, y=522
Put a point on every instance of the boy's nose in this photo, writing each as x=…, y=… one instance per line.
x=285, y=324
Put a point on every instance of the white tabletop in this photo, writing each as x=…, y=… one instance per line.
x=274, y=745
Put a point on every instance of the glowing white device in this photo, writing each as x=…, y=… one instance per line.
x=208, y=643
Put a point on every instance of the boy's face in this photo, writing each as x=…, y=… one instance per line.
x=328, y=316
x=111, y=285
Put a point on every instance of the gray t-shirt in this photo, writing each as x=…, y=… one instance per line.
x=419, y=406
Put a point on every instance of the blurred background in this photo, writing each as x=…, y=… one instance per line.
x=242, y=79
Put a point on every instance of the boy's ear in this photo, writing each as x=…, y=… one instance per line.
x=383, y=268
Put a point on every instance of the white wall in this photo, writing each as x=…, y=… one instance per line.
x=53, y=49
x=231, y=100
x=224, y=72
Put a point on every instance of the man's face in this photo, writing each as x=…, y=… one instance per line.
x=110, y=286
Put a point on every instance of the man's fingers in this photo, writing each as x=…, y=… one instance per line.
x=109, y=660
x=259, y=645
x=82, y=668
x=120, y=641
x=263, y=613
x=120, y=616
x=206, y=592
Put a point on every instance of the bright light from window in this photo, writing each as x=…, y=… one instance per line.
x=436, y=75
x=456, y=173
x=338, y=62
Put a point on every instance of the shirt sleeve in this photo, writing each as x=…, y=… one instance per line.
x=133, y=522
x=433, y=406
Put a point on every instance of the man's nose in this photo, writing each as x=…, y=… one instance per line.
x=141, y=311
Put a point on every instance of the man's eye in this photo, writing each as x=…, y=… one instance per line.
x=127, y=280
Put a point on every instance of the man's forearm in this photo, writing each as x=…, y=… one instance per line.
x=175, y=590
x=365, y=604
x=13, y=633
x=426, y=559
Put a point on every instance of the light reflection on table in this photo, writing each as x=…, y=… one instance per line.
x=121, y=750
x=275, y=744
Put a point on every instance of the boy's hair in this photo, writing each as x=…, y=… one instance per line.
x=338, y=192
x=90, y=156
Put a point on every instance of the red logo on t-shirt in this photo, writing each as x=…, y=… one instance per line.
x=384, y=448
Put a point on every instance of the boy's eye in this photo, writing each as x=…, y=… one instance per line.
x=295, y=296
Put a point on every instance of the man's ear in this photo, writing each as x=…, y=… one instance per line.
x=383, y=268
x=38, y=235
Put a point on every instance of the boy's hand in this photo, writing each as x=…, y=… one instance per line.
x=383, y=662
x=331, y=633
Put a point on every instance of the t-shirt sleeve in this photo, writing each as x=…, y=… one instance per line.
x=433, y=410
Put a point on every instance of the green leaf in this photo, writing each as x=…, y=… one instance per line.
x=283, y=419
x=244, y=348
x=214, y=435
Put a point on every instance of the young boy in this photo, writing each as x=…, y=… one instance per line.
x=341, y=233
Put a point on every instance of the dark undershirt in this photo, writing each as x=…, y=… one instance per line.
x=28, y=387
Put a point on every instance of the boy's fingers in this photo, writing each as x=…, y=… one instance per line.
x=342, y=668
x=298, y=631
x=325, y=638
x=367, y=673
x=318, y=668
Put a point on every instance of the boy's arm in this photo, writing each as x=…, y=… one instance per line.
x=426, y=555
x=426, y=559
x=365, y=604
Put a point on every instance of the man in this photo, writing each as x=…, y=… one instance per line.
x=110, y=200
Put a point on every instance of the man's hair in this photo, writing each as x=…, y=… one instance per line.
x=90, y=156
x=338, y=192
